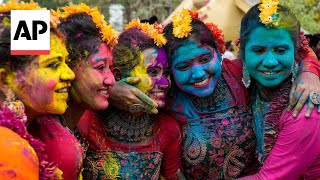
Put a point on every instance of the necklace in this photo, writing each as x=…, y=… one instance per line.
x=124, y=126
x=215, y=100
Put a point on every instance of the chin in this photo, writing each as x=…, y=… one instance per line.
x=272, y=83
x=57, y=110
x=100, y=107
x=161, y=104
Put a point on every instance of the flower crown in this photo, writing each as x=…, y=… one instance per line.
x=182, y=27
x=108, y=34
x=153, y=31
x=268, y=13
x=13, y=5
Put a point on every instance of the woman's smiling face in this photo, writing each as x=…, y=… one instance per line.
x=269, y=55
x=196, y=68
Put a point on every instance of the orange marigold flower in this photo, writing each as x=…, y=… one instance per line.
x=107, y=33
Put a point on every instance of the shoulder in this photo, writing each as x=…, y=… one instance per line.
x=167, y=124
x=90, y=122
x=301, y=123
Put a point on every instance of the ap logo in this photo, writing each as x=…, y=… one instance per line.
x=30, y=32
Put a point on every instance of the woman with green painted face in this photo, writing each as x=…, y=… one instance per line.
x=271, y=48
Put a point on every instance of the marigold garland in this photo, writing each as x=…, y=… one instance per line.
x=13, y=5
x=108, y=34
x=268, y=12
x=153, y=31
x=182, y=27
x=181, y=24
x=217, y=36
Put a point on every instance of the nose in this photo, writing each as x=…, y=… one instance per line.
x=163, y=82
x=270, y=60
x=109, y=78
x=67, y=74
x=198, y=72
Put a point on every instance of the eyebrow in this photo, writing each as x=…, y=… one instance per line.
x=100, y=59
x=50, y=58
x=180, y=60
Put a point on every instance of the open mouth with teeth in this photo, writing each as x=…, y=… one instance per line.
x=62, y=90
x=104, y=91
x=269, y=72
x=202, y=83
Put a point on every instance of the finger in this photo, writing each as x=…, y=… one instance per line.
x=131, y=80
x=180, y=175
x=293, y=88
x=301, y=101
x=146, y=99
x=154, y=111
x=310, y=107
x=294, y=96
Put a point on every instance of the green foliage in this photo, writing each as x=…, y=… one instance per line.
x=308, y=13
x=142, y=9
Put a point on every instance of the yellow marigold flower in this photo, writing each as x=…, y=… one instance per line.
x=181, y=24
x=160, y=40
x=149, y=30
x=268, y=13
x=13, y=5
x=182, y=30
x=133, y=24
x=108, y=34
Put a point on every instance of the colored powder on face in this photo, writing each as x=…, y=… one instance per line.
x=141, y=71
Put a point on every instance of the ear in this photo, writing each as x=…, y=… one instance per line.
x=117, y=74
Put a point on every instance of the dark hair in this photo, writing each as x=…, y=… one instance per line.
x=82, y=36
x=228, y=43
x=126, y=54
x=200, y=33
x=314, y=39
x=251, y=21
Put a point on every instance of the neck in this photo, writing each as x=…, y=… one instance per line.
x=73, y=113
x=267, y=93
x=31, y=114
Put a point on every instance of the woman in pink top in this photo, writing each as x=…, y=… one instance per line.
x=271, y=46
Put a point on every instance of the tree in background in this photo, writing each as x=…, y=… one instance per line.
x=308, y=12
x=142, y=9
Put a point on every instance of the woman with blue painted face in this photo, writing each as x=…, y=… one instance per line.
x=210, y=101
x=287, y=147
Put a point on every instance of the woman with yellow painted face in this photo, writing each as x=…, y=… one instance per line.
x=41, y=84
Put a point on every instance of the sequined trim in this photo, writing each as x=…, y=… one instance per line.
x=132, y=165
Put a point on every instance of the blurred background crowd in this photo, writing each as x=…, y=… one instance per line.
x=225, y=13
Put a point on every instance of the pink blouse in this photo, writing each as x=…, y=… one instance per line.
x=62, y=147
x=296, y=153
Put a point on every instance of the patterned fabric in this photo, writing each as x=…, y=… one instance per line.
x=218, y=145
x=159, y=153
x=268, y=114
x=133, y=165
x=218, y=142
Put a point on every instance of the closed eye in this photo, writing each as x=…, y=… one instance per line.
x=53, y=64
x=183, y=66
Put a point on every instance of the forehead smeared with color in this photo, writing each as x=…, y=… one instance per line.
x=127, y=53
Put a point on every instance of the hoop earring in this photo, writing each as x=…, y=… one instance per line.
x=294, y=71
x=16, y=106
x=246, y=80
